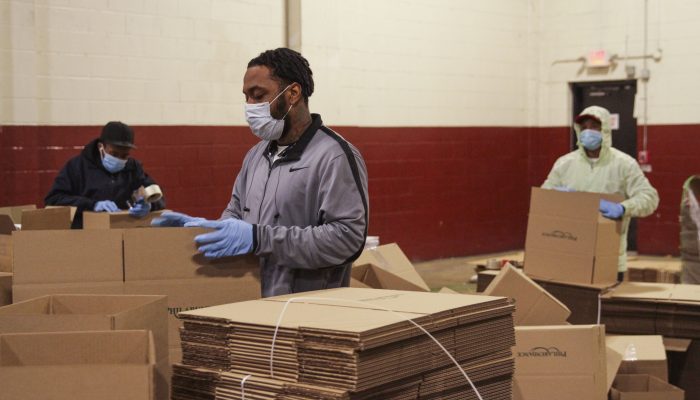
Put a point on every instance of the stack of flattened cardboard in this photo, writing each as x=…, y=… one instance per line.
x=653, y=308
x=353, y=343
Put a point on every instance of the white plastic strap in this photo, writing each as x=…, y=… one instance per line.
x=243, y=386
x=404, y=317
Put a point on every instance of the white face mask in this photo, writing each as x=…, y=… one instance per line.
x=261, y=121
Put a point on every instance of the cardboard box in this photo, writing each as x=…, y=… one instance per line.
x=166, y=261
x=154, y=261
x=583, y=300
x=5, y=288
x=568, y=240
x=563, y=362
x=533, y=305
x=67, y=256
x=641, y=354
x=117, y=220
x=7, y=226
x=15, y=212
x=643, y=387
x=113, y=365
x=388, y=260
x=62, y=313
x=653, y=308
x=49, y=218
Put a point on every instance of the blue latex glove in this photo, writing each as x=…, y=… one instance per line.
x=173, y=219
x=611, y=210
x=564, y=189
x=106, y=205
x=140, y=209
x=231, y=237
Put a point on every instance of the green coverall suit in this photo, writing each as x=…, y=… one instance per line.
x=613, y=172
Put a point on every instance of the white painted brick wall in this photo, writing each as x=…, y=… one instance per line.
x=375, y=62
x=140, y=61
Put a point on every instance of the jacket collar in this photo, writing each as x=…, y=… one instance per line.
x=296, y=149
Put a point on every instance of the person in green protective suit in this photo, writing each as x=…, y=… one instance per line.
x=690, y=221
x=598, y=167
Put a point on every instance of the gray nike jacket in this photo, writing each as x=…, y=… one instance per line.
x=309, y=210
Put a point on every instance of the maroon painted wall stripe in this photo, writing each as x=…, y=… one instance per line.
x=437, y=191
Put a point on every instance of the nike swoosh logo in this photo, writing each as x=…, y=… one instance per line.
x=292, y=169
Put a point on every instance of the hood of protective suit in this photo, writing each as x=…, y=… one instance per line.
x=603, y=116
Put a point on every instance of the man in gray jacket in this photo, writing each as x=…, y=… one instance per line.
x=300, y=199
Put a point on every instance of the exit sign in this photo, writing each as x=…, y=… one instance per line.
x=598, y=59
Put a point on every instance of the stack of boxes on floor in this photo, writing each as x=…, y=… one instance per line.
x=348, y=343
x=113, y=270
x=571, y=252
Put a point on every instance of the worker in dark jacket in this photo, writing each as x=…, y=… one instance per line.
x=104, y=178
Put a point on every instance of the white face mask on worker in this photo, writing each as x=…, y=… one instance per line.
x=261, y=121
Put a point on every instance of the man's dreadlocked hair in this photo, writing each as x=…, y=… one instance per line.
x=288, y=66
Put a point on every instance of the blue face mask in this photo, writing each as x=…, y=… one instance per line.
x=591, y=139
x=111, y=163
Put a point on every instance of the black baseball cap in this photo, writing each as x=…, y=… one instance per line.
x=118, y=134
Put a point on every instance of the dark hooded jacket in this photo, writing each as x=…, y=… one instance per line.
x=83, y=181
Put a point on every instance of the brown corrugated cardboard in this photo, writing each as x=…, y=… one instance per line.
x=447, y=290
x=7, y=226
x=568, y=240
x=369, y=275
x=5, y=288
x=15, y=212
x=61, y=313
x=563, y=362
x=533, y=305
x=171, y=253
x=117, y=220
x=113, y=365
x=641, y=354
x=643, y=387
x=582, y=299
x=49, y=218
x=320, y=330
x=32, y=290
x=391, y=259
x=67, y=256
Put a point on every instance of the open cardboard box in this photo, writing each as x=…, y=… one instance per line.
x=533, y=305
x=62, y=313
x=117, y=220
x=641, y=354
x=643, y=387
x=49, y=218
x=563, y=362
x=582, y=299
x=386, y=267
x=111, y=365
x=15, y=212
x=568, y=240
x=153, y=261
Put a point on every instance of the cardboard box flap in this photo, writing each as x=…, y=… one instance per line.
x=390, y=258
x=533, y=304
x=171, y=253
x=15, y=212
x=644, y=387
x=638, y=347
x=117, y=220
x=50, y=218
x=447, y=290
x=71, y=348
x=613, y=359
x=375, y=277
x=676, y=344
x=52, y=256
x=643, y=291
x=560, y=204
x=7, y=226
